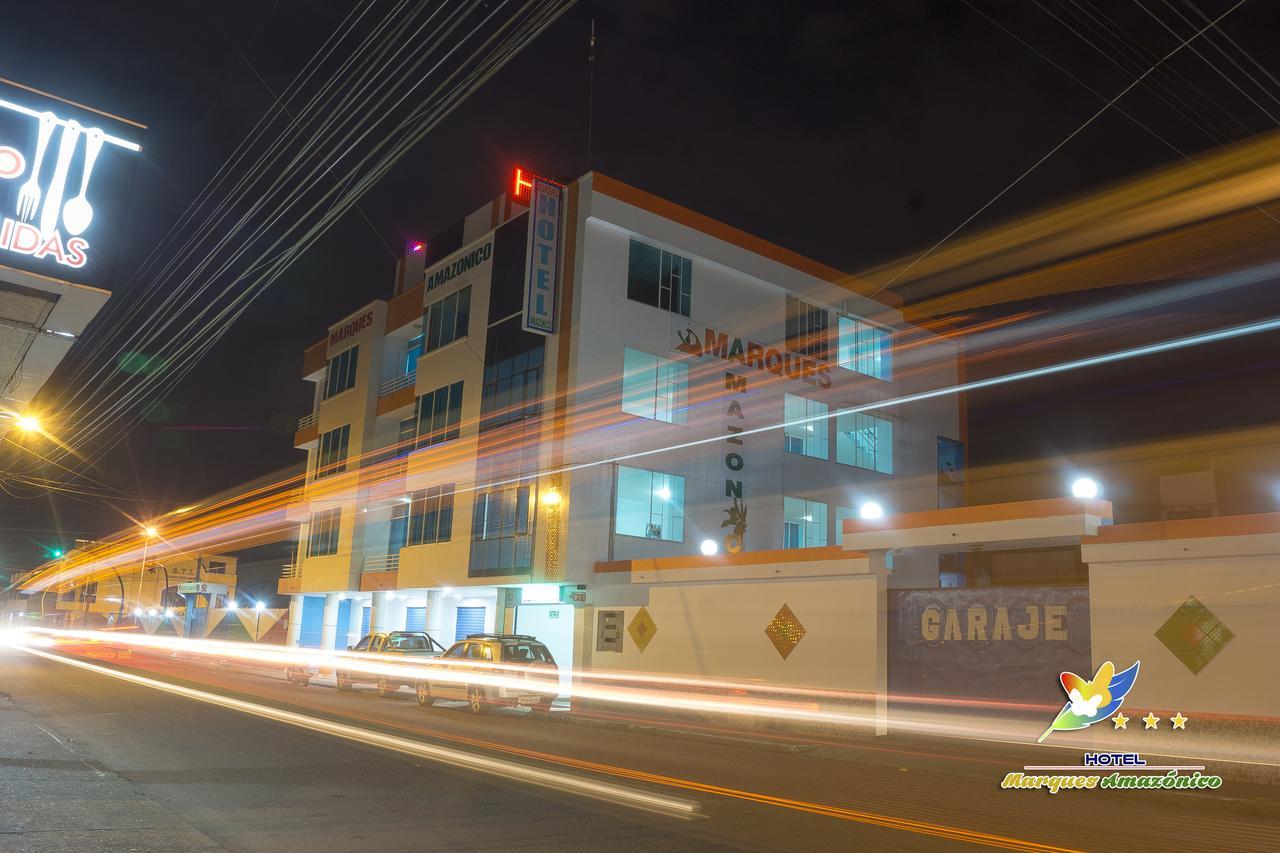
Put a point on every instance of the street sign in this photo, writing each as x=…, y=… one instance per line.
x=202, y=588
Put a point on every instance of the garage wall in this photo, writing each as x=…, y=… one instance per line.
x=718, y=630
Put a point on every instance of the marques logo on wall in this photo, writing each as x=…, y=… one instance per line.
x=43, y=196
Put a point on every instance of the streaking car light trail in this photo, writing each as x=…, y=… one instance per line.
x=240, y=523
x=591, y=788
x=932, y=716
x=555, y=780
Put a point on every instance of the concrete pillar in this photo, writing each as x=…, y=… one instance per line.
x=295, y=621
x=378, y=616
x=329, y=626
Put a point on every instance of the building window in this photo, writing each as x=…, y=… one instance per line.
x=332, y=457
x=431, y=515
x=500, y=540
x=864, y=348
x=439, y=415
x=216, y=567
x=654, y=387
x=341, y=373
x=512, y=389
x=807, y=329
x=322, y=539
x=447, y=320
x=864, y=441
x=659, y=278
x=804, y=523
x=89, y=594
x=650, y=505
x=413, y=352
x=808, y=438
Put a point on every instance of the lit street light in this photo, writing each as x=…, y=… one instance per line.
x=1084, y=487
x=870, y=511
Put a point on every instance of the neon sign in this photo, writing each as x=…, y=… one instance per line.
x=523, y=186
x=47, y=215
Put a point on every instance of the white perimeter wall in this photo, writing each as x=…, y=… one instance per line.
x=1129, y=601
x=717, y=630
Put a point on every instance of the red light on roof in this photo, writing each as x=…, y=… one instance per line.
x=417, y=248
x=523, y=185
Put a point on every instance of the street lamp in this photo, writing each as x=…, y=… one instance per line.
x=870, y=511
x=148, y=533
x=28, y=423
x=1084, y=487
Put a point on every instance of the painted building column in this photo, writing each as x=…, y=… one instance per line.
x=378, y=615
x=329, y=625
x=295, y=621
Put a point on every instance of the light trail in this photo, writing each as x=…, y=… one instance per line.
x=986, y=722
x=508, y=770
x=564, y=782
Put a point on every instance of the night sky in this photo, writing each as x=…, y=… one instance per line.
x=850, y=132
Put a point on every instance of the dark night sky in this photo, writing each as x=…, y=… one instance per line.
x=850, y=132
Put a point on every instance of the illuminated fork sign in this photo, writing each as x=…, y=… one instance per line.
x=25, y=234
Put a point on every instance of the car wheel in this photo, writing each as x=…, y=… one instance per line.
x=476, y=701
x=423, y=692
x=344, y=683
x=385, y=690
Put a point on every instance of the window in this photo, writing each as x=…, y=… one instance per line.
x=341, y=373
x=323, y=536
x=398, y=528
x=439, y=413
x=864, y=348
x=407, y=433
x=431, y=515
x=332, y=457
x=512, y=389
x=659, y=278
x=217, y=567
x=809, y=438
x=650, y=505
x=654, y=387
x=89, y=594
x=362, y=646
x=843, y=512
x=804, y=523
x=447, y=320
x=500, y=523
x=807, y=329
x=865, y=441
x=412, y=352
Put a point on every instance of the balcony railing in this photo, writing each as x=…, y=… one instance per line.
x=395, y=383
x=308, y=421
x=381, y=563
x=290, y=570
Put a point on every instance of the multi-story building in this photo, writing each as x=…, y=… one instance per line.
x=475, y=453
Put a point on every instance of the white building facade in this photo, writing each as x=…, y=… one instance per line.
x=467, y=474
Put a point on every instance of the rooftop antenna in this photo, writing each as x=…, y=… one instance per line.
x=591, y=80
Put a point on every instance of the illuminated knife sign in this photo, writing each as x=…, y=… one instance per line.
x=52, y=153
x=542, y=263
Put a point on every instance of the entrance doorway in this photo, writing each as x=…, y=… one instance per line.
x=553, y=625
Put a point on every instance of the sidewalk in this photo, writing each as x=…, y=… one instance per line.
x=54, y=797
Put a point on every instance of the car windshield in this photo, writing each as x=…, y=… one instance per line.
x=526, y=653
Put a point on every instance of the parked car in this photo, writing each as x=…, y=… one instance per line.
x=413, y=645
x=502, y=655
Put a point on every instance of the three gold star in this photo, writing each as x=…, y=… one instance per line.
x=1179, y=721
x=1152, y=721
x=1121, y=721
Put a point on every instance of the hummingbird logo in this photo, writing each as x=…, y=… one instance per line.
x=1092, y=701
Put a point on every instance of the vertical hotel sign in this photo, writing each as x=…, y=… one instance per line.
x=542, y=263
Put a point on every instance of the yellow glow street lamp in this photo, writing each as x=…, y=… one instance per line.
x=148, y=533
x=28, y=423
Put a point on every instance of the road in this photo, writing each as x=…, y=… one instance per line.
x=91, y=762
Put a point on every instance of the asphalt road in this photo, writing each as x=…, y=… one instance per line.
x=89, y=762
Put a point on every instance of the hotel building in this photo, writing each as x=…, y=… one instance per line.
x=539, y=404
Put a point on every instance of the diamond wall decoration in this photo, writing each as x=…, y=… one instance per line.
x=784, y=631
x=1194, y=635
x=642, y=628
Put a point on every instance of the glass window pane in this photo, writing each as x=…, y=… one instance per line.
x=449, y=312
x=464, y=313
